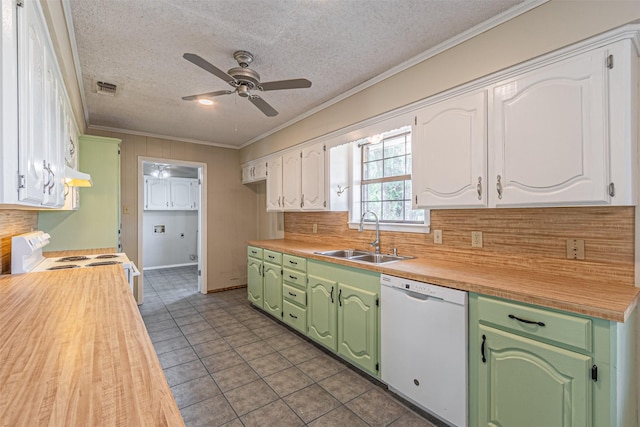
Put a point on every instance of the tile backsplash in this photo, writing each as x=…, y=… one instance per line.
x=12, y=222
x=531, y=240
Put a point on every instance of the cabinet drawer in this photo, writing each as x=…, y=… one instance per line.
x=272, y=257
x=564, y=329
x=294, y=262
x=254, y=252
x=295, y=316
x=295, y=277
x=294, y=295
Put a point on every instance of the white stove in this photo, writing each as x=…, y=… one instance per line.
x=26, y=257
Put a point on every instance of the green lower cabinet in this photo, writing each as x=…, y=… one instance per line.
x=295, y=316
x=536, y=366
x=272, y=288
x=254, y=281
x=527, y=383
x=343, y=313
x=358, y=326
x=321, y=311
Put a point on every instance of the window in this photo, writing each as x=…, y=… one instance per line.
x=385, y=184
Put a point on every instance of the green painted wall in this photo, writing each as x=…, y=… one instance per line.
x=96, y=222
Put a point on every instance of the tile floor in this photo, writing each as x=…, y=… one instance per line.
x=228, y=364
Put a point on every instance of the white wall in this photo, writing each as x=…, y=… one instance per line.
x=169, y=249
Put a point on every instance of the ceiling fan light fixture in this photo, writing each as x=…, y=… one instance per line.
x=204, y=101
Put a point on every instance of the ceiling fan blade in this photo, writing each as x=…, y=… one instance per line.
x=285, y=84
x=263, y=106
x=207, y=95
x=205, y=65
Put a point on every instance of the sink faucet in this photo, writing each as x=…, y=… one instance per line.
x=375, y=243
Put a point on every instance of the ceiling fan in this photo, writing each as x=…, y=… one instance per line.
x=243, y=79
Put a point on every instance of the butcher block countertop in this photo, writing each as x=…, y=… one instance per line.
x=613, y=302
x=74, y=351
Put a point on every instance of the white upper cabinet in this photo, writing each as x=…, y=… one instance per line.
x=312, y=180
x=178, y=194
x=296, y=180
x=449, y=153
x=560, y=131
x=41, y=109
x=548, y=135
x=291, y=182
x=254, y=171
x=156, y=194
x=274, y=184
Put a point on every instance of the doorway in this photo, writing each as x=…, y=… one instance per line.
x=172, y=208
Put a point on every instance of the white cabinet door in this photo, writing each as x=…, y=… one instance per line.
x=156, y=194
x=274, y=184
x=195, y=194
x=291, y=184
x=42, y=96
x=449, y=153
x=312, y=183
x=180, y=194
x=32, y=94
x=548, y=135
x=259, y=170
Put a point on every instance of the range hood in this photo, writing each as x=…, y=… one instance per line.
x=74, y=178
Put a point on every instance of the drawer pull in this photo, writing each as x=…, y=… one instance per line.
x=293, y=277
x=293, y=262
x=294, y=316
x=271, y=256
x=530, y=322
x=292, y=294
x=484, y=340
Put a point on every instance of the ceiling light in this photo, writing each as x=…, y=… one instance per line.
x=205, y=101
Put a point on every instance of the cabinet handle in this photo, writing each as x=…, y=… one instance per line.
x=340, y=297
x=530, y=322
x=302, y=201
x=293, y=277
x=271, y=256
x=72, y=148
x=48, y=170
x=479, y=188
x=292, y=294
x=295, y=317
x=484, y=340
x=279, y=197
x=293, y=262
x=52, y=180
x=499, y=187
x=332, y=294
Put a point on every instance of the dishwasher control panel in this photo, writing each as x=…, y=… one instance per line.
x=447, y=294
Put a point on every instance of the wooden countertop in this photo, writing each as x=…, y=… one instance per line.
x=614, y=302
x=74, y=351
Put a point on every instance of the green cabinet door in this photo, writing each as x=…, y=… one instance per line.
x=272, y=289
x=254, y=281
x=358, y=326
x=527, y=383
x=321, y=311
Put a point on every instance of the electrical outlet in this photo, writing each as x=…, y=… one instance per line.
x=575, y=248
x=476, y=239
x=315, y=228
x=437, y=237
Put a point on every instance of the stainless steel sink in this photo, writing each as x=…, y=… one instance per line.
x=377, y=258
x=363, y=256
x=344, y=253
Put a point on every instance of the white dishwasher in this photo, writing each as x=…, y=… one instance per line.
x=424, y=346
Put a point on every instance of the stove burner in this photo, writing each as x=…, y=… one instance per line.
x=106, y=256
x=63, y=267
x=97, y=264
x=72, y=258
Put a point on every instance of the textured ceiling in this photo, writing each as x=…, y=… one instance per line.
x=337, y=44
